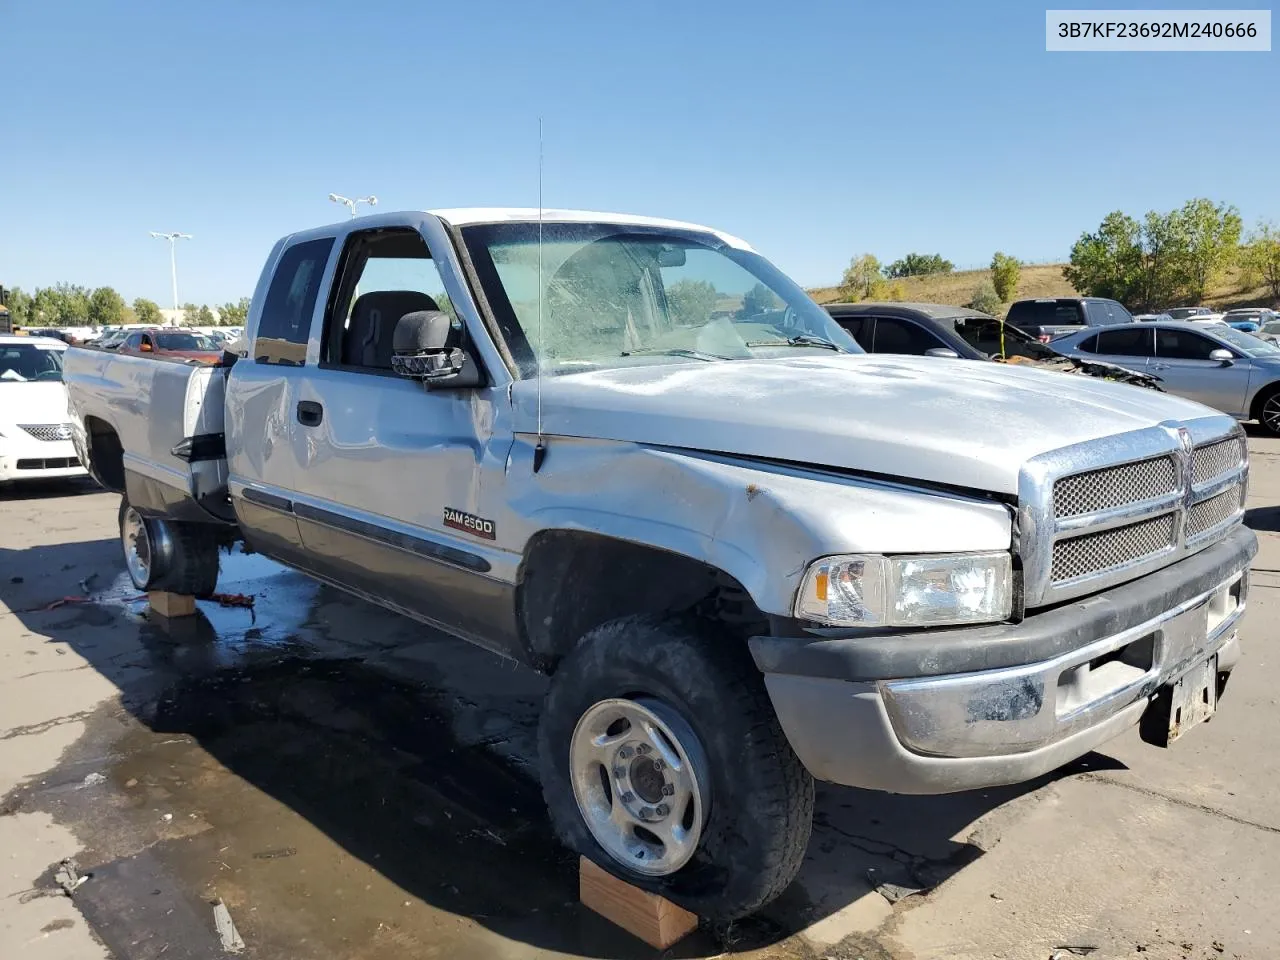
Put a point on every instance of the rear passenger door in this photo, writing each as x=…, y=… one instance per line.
x=1129, y=346
x=1182, y=362
x=262, y=418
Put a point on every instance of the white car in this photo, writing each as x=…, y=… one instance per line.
x=35, y=439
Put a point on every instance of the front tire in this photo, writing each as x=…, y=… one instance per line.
x=662, y=760
x=1268, y=410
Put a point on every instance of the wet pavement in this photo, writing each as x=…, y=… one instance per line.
x=350, y=784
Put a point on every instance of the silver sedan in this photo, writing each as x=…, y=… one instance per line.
x=1224, y=368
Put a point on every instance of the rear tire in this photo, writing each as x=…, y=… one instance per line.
x=161, y=554
x=739, y=802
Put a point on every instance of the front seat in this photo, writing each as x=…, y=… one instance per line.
x=368, y=338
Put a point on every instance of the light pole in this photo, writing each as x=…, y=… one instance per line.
x=351, y=204
x=173, y=239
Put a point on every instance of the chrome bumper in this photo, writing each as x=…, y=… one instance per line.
x=1023, y=708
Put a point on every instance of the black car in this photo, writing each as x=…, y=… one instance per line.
x=941, y=330
x=1050, y=317
x=933, y=329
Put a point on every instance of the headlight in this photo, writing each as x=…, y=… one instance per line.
x=913, y=591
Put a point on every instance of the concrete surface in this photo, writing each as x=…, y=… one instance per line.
x=352, y=785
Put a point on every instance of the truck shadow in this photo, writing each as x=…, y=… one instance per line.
x=413, y=753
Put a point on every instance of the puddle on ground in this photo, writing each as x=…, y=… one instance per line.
x=331, y=808
x=349, y=783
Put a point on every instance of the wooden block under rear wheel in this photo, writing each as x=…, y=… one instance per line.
x=171, y=605
x=653, y=918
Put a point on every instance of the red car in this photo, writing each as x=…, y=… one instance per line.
x=171, y=343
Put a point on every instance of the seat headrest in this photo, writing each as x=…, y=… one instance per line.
x=368, y=339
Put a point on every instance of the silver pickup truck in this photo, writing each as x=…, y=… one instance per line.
x=632, y=454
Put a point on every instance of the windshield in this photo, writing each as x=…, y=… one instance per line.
x=615, y=296
x=25, y=362
x=183, y=341
x=1246, y=343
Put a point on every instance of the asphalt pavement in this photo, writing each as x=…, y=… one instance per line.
x=338, y=782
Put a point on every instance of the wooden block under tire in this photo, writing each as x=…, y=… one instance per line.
x=171, y=605
x=653, y=918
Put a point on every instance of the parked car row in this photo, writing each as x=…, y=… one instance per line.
x=165, y=342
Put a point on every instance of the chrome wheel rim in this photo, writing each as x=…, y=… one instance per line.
x=137, y=548
x=639, y=776
x=1271, y=414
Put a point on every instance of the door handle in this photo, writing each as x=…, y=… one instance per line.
x=310, y=413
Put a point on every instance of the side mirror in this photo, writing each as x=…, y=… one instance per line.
x=942, y=352
x=426, y=346
x=145, y=347
x=1222, y=356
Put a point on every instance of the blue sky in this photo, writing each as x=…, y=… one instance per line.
x=814, y=130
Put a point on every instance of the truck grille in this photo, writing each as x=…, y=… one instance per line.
x=1110, y=487
x=1215, y=511
x=1214, y=459
x=48, y=431
x=1101, y=523
x=1094, y=553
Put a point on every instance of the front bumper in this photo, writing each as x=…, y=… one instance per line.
x=26, y=458
x=940, y=711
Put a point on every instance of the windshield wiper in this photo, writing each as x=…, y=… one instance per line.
x=799, y=340
x=674, y=352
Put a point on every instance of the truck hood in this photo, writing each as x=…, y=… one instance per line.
x=43, y=401
x=960, y=422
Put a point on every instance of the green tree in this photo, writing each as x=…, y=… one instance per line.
x=1006, y=271
x=1260, y=259
x=62, y=305
x=106, y=307
x=691, y=301
x=860, y=278
x=20, y=306
x=918, y=265
x=234, y=314
x=1161, y=278
x=759, y=299
x=1108, y=263
x=148, y=311
x=190, y=314
x=204, y=317
x=1210, y=239
x=986, y=300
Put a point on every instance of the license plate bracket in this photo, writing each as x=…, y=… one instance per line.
x=1185, y=703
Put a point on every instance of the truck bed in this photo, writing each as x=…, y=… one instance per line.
x=151, y=427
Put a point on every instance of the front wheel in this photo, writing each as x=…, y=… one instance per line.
x=662, y=761
x=1269, y=413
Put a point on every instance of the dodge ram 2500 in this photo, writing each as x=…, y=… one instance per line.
x=632, y=454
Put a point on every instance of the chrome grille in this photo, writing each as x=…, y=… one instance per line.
x=48, y=431
x=1214, y=459
x=1207, y=514
x=1114, y=487
x=1094, y=553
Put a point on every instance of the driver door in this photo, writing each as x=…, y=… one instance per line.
x=391, y=480
x=1182, y=362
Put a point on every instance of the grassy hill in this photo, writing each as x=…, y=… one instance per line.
x=1038, y=280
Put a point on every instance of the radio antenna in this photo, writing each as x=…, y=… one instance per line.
x=539, y=450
